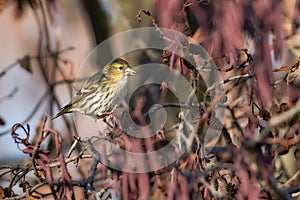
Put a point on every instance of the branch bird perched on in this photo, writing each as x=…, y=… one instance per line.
x=102, y=92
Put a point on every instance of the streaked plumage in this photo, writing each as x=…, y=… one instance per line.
x=101, y=92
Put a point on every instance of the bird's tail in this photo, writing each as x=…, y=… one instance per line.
x=64, y=110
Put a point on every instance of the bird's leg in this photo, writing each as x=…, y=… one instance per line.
x=107, y=121
x=108, y=117
x=104, y=114
x=113, y=118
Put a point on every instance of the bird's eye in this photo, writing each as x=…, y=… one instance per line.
x=121, y=68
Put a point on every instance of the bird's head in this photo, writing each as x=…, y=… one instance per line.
x=118, y=69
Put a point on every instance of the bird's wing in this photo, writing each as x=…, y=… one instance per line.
x=89, y=87
x=95, y=79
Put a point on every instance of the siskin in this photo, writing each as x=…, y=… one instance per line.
x=102, y=92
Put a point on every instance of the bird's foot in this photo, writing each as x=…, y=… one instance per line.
x=111, y=121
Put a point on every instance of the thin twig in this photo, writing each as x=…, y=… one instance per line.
x=163, y=105
x=273, y=122
x=9, y=95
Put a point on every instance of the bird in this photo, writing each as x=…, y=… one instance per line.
x=102, y=92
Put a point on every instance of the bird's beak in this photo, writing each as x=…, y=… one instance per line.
x=129, y=72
